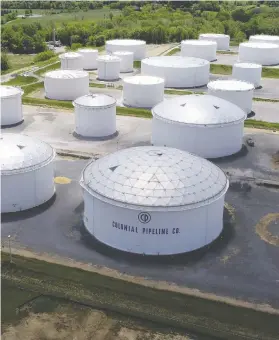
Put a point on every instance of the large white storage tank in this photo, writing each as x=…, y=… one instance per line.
x=237, y=92
x=203, y=49
x=143, y=91
x=27, y=172
x=138, y=47
x=89, y=61
x=127, y=61
x=251, y=73
x=95, y=116
x=270, y=39
x=177, y=71
x=66, y=84
x=207, y=126
x=222, y=40
x=71, y=61
x=11, y=105
x=108, y=67
x=259, y=53
x=153, y=200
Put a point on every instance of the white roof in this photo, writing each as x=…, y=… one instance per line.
x=213, y=35
x=259, y=45
x=70, y=55
x=20, y=153
x=87, y=50
x=154, y=177
x=198, y=42
x=265, y=37
x=122, y=53
x=175, y=61
x=9, y=91
x=67, y=74
x=230, y=85
x=126, y=42
x=247, y=65
x=143, y=80
x=108, y=58
x=95, y=100
x=199, y=110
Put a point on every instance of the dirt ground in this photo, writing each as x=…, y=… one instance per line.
x=87, y=324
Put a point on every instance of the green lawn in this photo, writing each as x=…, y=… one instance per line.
x=58, y=19
x=137, y=64
x=267, y=72
x=21, y=80
x=19, y=61
x=174, y=51
x=48, y=68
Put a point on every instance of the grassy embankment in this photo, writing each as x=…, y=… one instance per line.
x=130, y=298
x=20, y=81
x=267, y=72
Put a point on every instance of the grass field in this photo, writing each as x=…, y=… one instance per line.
x=20, y=80
x=267, y=72
x=58, y=19
x=165, y=308
x=48, y=68
x=19, y=61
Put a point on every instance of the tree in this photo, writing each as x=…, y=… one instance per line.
x=5, y=65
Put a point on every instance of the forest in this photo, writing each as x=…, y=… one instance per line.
x=155, y=22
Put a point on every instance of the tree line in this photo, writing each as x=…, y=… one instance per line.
x=153, y=22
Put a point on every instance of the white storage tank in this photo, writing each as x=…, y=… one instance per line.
x=237, y=92
x=251, y=73
x=138, y=47
x=203, y=49
x=11, y=105
x=90, y=56
x=153, y=200
x=71, y=61
x=205, y=125
x=108, y=67
x=177, y=71
x=95, y=116
x=66, y=84
x=222, y=40
x=271, y=39
x=259, y=53
x=127, y=61
x=143, y=91
x=27, y=172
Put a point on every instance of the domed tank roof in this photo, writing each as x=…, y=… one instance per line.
x=199, y=110
x=126, y=42
x=175, y=61
x=196, y=42
x=95, y=100
x=20, y=153
x=157, y=178
x=9, y=91
x=143, y=80
x=66, y=74
x=108, y=58
x=70, y=55
x=248, y=65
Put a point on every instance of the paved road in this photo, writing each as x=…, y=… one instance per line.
x=239, y=264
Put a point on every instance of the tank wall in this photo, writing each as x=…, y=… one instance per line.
x=223, y=43
x=72, y=64
x=269, y=41
x=108, y=70
x=178, y=77
x=251, y=75
x=211, y=142
x=66, y=89
x=204, y=52
x=262, y=56
x=243, y=99
x=145, y=96
x=89, y=61
x=166, y=233
x=127, y=63
x=95, y=122
x=11, y=110
x=138, y=50
x=27, y=190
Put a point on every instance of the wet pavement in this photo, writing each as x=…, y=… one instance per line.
x=239, y=264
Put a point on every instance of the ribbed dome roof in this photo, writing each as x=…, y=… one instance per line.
x=175, y=61
x=199, y=110
x=20, y=153
x=154, y=177
x=67, y=74
x=230, y=85
x=95, y=100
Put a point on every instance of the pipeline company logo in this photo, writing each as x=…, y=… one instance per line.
x=144, y=217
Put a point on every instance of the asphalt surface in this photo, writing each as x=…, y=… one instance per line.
x=239, y=264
